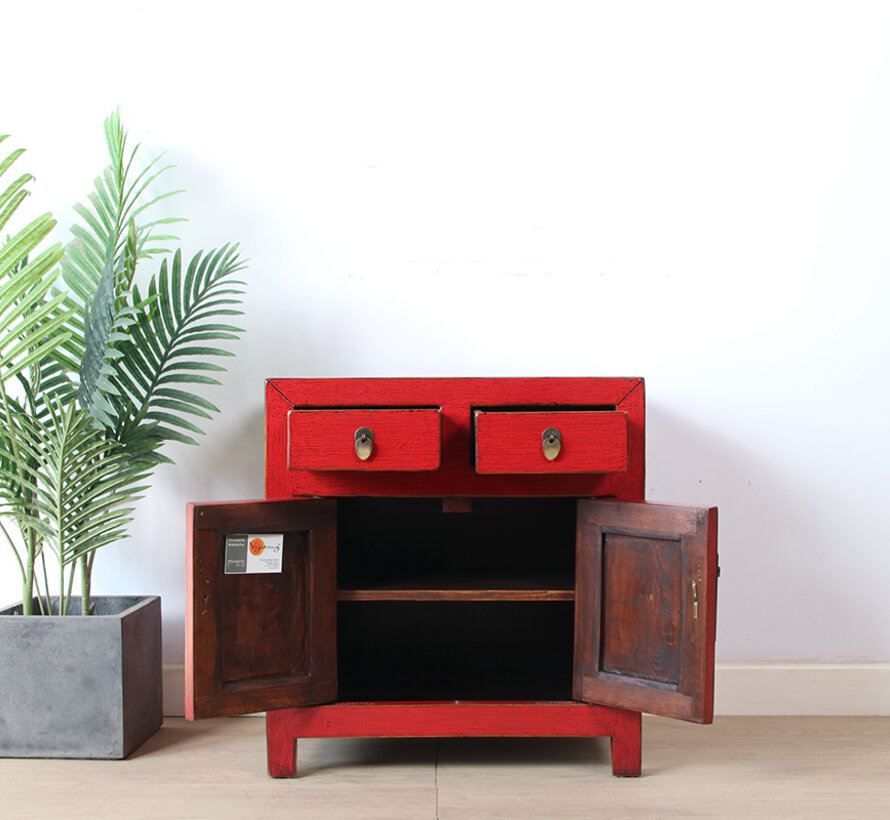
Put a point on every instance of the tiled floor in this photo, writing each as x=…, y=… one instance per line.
x=739, y=767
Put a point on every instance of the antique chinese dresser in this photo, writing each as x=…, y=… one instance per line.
x=452, y=557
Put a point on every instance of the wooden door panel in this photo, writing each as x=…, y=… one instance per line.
x=646, y=584
x=640, y=608
x=273, y=645
x=265, y=640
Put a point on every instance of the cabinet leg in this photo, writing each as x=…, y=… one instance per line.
x=627, y=744
x=281, y=745
x=622, y=726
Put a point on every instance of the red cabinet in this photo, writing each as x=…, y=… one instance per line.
x=452, y=557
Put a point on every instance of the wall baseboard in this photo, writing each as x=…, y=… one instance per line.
x=741, y=689
x=173, y=676
x=802, y=689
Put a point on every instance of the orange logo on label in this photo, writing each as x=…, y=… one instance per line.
x=257, y=545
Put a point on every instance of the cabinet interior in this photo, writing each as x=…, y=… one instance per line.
x=440, y=605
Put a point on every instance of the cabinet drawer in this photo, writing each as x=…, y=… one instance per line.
x=584, y=441
x=402, y=439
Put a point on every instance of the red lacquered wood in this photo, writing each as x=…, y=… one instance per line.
x=711, y=571
x=584, y=391
x=404, y=440
x=453, y=719
x=511, y=442
x=190, y=580
x=645, y=614
x=457, y=400
x=281, y=747
x=627, y=744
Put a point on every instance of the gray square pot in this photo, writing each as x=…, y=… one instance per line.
x=85, y=687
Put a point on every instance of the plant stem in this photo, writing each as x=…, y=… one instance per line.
x=85, y=572
x=28, y=587
x=70, y=587
x=27, y=574
x=32, y=552
x=63, y=600
x=46, y=608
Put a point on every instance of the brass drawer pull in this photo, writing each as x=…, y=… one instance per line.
x=551, y=441
x=364, y=442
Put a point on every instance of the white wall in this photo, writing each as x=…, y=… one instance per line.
x=697, y=193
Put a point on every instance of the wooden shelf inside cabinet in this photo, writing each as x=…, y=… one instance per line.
x=463, y=589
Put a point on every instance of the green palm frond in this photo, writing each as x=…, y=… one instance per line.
x=32, y=317
x=169, y=342
x=82, y=485
x=12, y=197
x=112, y=227
x=15, y=483
x=105, y=324
x=99, y=264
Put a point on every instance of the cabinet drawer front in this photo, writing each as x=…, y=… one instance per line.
x=403, y=439
x=587, y=441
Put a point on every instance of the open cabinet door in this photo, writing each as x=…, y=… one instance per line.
x=261, y=617
x=645, y=607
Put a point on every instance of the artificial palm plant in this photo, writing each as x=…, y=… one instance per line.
x=97, y=375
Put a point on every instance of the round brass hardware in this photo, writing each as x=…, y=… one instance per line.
x=551, y=441
x=364, y=442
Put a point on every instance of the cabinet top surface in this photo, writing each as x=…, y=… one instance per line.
x=471, y=390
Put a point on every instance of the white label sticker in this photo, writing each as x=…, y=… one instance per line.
x=254, y=553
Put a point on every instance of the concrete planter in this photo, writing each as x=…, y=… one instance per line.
x=85, y=687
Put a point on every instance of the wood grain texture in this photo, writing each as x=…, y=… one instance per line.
x=405, y=440
x=456, y=399
x=641, y=583
x=630, y=647
x=432, y=594
x=510, y=442
x=285, y=726
x=262, y=622
x=257, y=642
x=466, y=587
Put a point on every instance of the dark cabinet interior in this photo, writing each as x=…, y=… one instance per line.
x=446, y=650
x=436, y=605
x=512, y=545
